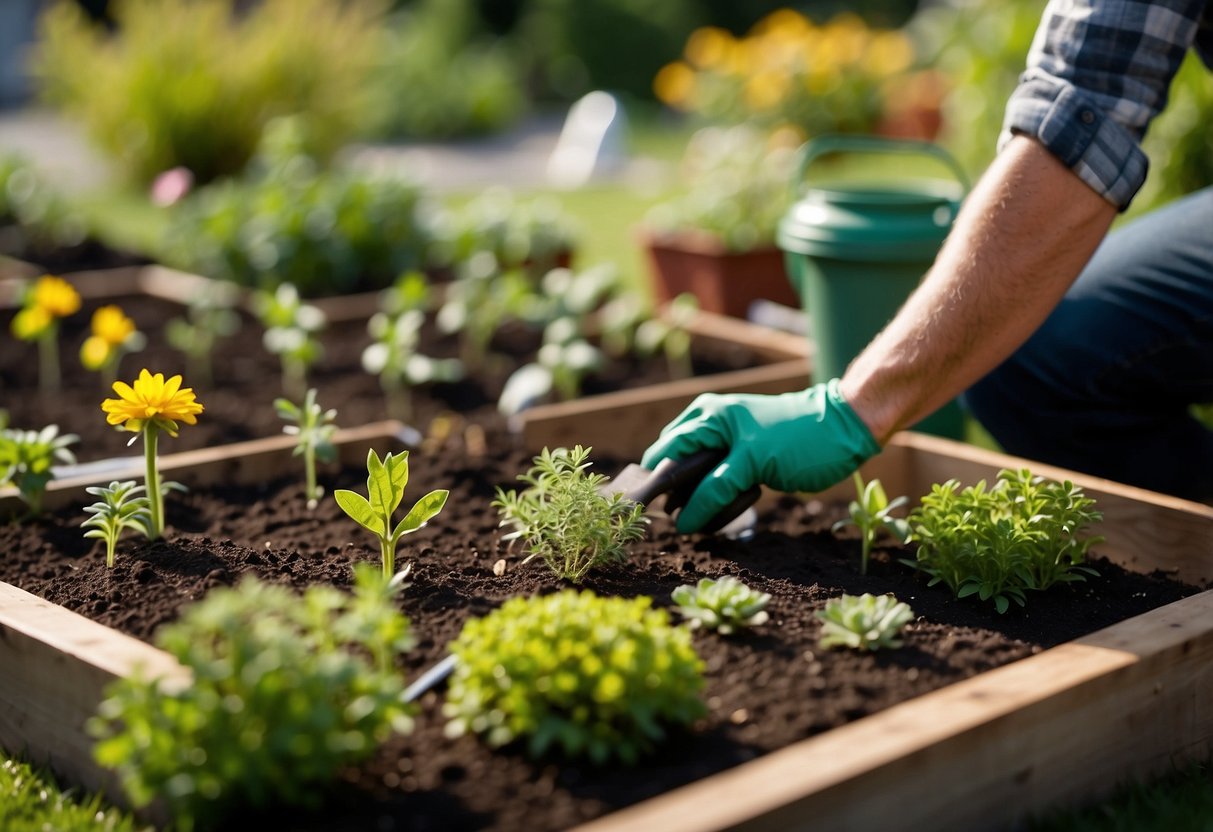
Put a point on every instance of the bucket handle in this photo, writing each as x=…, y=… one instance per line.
x=841, y=143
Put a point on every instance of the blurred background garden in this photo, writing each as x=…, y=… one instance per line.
x=338, y=145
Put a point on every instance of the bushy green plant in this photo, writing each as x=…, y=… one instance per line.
x=434, y=77
x=27, y=457
x=122, y=506
x=870, y=514
x=193, y=82
x=288, y=221
x=865, y=622
x=533, y=234
x=725, y=605
x=737, y=189
x=563, y=518
x=1025, y=533
x=385, y=482
x=313, y=428
x=286, y=691
x=594, y=677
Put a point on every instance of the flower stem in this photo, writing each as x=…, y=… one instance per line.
x=48, y=360
x=388, y=550
x=154, y=498
x=309, y=463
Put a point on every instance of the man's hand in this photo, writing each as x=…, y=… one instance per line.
x=804, y=441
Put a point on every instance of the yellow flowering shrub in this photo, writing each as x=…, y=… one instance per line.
x=842, y=76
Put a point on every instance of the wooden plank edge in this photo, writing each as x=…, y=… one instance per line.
x=1058, y=728
x=771, y=344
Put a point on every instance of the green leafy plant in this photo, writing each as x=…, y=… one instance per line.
x=596, y=677
x=870, y=513
x=560, y=367
x=208, y=318
x=563, y=518
x=864, y=622
x=393, y=357
x=286, y=690
x=290, y=333
x=669, y=333
x=480, y=301
x=290, y=220
x=531, y=235
x=193, y=83
x=385, y=484
x=27, y=457
x=313, y=429
x=725, y=605
x=1026, y=533
x=122, y=506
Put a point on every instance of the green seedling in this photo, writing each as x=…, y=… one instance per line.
x=393, y=357
x=602, y=678
x=313, y=429
x=479, y=302
x=670, y=335
x=385, y=484
x=563, y=518
x=870, y=513
x=867, y=622
x=561, y=366
x=410, y=291
x=122, y=506
x=27, y=458
x=208, y=318
x=290, y=333
x=1026, y=533
x=725, y=605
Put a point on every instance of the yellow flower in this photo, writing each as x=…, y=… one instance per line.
x=708, y=47
x=111, y=326
x=30, y=323
x=152, y=401
x=675, y=84
x=96, y=352
x=56, y=296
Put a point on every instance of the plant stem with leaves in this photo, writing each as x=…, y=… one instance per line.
x=313, y=429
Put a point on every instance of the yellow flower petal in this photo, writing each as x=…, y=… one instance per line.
x=152, y=401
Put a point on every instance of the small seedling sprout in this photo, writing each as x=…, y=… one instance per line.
x=670, y=334
x=290, y=333
x=725, y=605
x=867, y=622
x=870, y=513
x=208, y=318
x=385, y=483
x=27, y=458
x=313, y=429
x=122, y=506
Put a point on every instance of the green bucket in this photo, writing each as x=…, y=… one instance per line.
x=856, y=250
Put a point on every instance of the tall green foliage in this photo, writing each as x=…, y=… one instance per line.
x=191, y=83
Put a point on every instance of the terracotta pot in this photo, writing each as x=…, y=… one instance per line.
x=725, y=282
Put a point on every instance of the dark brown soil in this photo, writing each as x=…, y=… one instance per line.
x=765, y=689
x=247, y=379
x=86, y=255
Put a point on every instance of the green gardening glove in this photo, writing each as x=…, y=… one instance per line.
x=803, y=441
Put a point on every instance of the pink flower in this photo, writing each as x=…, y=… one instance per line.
x=171, y=185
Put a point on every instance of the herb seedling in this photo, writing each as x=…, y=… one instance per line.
x=285, y=692
x=563, y=518
x=42, y=305
x=394, y=358
x=290, y=333
x=670, y=334
x=385, y=484
x=562, y=364
x=208, y=318
x=870, y=513
x=27, y=457
x=867, y=622
x=313, y=429
x=113, y=336
x=1026, y=533
x=146, y=408
x=593, y=677
x=122, y=506
x=725, y=605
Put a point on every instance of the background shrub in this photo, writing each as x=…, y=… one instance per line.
x=190, y=83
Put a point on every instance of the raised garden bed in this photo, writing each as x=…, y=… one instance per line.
x=794, y=734
x=728, y=354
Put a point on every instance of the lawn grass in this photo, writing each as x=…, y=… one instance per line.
x=1181, y=801
x=32, y=802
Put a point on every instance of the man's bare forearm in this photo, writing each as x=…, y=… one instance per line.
x=1022, y=237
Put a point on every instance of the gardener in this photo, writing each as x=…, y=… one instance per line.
x=1096, y=373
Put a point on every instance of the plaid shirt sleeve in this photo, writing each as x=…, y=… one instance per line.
x=1098, y=72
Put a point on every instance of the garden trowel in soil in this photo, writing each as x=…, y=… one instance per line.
x=677, y=480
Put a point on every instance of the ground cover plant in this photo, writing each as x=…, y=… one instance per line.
x=27, y=458
x=31, y=801
x=763, y=688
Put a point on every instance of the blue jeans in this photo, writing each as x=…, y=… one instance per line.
x=1105, y=385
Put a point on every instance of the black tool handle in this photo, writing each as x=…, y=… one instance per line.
x=678, y=479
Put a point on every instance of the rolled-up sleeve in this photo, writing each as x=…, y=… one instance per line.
x=1098, y=73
